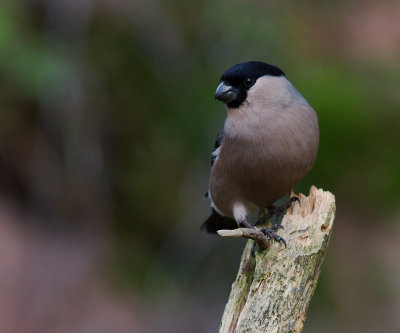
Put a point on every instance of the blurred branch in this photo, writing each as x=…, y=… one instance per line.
x=272, y=292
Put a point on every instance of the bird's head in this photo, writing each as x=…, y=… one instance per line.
x=239, y=80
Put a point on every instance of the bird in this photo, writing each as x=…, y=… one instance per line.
x=268, y=142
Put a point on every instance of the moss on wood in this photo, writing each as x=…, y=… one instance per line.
x=272, y=291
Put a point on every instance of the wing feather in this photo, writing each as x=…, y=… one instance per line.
x=217, y=145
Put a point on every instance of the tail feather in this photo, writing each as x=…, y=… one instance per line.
x=217, y=222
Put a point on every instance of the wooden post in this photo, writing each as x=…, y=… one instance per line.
x=272, y=292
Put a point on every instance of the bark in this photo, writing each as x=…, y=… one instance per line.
x=272, y=291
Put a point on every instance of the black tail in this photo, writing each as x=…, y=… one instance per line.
x=217, y=222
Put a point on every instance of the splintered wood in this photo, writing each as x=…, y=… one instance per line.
x=272, y=292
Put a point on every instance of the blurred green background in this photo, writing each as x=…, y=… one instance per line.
x=107, y=121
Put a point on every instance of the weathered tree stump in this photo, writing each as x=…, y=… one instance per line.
x=272, y=292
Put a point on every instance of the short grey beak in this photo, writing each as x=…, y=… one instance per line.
x=225, y=93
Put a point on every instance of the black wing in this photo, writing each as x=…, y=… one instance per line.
x=217, y=222
x=218, y=141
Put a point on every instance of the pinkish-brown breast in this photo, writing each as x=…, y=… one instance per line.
x=259, y=168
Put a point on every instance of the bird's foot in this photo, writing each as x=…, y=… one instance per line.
x=280, y=211
x=271, y=234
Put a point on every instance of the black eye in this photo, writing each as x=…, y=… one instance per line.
x=248, y=82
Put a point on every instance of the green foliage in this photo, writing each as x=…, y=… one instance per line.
x=148, y=78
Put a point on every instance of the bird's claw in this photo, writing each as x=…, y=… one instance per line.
x=293, y=199
x=279, y=239
x=270, y=233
